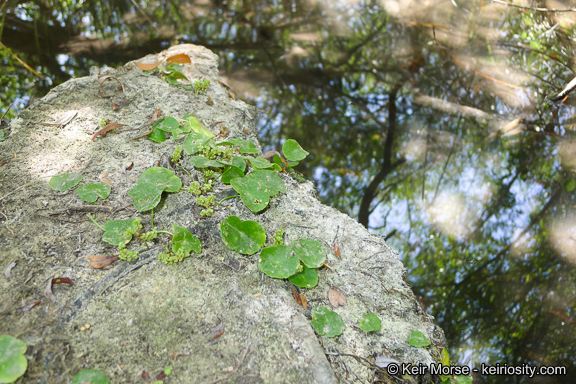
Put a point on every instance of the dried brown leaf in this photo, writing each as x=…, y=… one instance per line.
x=31, y=305
x=336, y=297
x=336, y=250
x=62, y=280
x=149, y=66
x=101, y=261
x=180, y=58
x=104, y=131
x=304, y=301
x=104, y=178
x=296, y=295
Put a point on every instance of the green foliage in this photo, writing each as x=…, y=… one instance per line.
x=194, y=188
x=370, y=323
x=327, y=322
x=278, y=238
x=201, y=86
x=310, y=252
x=293, y=151
x=206, y=202
x=13, y=363
x=120, y=232
x=66, y=181
x=256, y=188
x=157, y=135
x=147, y=193
x=308, y=278
x=246, y=237
x=183, y=243
x=244, y=146
x=92, y=376
x=279, y=262
x=418, y=339
x=92, y=191
x=200, y=161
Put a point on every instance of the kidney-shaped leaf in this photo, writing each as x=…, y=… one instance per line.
x=163, y=178
x=202, y=162
x=326, y=322
x=92, y=191
x=183, y=239
x=116, y=231
x=278, y=262
x=370, y=323
x=92, y=376
x=256, y=188
x=167, y=124
x=310, y=252
x=293, y=151
x=246, y=237
x=418, y=339
x=308, y=278
x=13, y=363
x=244, y=146
x=64, y=182
x=145, y=196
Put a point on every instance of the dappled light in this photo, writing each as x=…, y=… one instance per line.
x=450, y=215
x=562, y=234
x=437, y=124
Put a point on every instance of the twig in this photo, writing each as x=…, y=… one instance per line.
x=4, y=115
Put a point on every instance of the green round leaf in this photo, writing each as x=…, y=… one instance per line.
x=308, y=278
x=184, y=239
x=145, y=196
x=570, y=185
x=256, y=188
x=116, y=231
x=92, y=376
x=157, y=135
x=327, y=322
x=460, y=379
x=244, y=146
x=196, y=126
x=163, y=178
x=246, y=237
x=230, y=174
x=92, y=191
x=278, y=262
x=66, y=181
x=13, y=363
x=202, y=162
x=310, y=252
x=194, y=142
x=370, y=323
x=167, y=124
x=258, y=163
x=293, y=151
x=417, y=339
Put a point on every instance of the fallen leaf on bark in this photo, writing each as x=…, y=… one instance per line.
x=101, y=261
x=105, y=130
x=337, y=297
x=62, y=280
x=104, y=178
